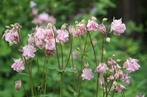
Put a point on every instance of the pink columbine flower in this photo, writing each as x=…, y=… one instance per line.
x=101, y=68
x=11, y=35
x=119, y=88
x=111, y=62
x=62, y=36
x=131, y=65
x=118, y=27
x=87, y=74
x=92, y=25
x=40, y=33
x=18, y=65
x=78, y=30
x=140, y=96
x=50, y=45
x=18, y=85
x=101, y=28
x=28, y=51
x=44, y=18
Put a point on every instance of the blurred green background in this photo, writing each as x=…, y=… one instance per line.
x=132, y=43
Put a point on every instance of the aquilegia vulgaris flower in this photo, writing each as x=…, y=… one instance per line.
x=118, y=27
x=18, y=65
x=131, y=65
x=87, y=74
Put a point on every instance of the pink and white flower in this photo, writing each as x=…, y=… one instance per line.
x=119, y=88
x=118, y=27
x=28, y=51
x=131, y=65
x=140, y=96
x=101, y=68
x=78, y=30
x=11, y=35
x=62, y=36
x=18, y=65
x=87, y=74
x=92, y=25
x=101, y=28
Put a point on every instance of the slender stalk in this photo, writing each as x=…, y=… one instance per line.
x=101, y=60
x=61, y=73
x=70, y=52
x=31, y=80
x=30, y=76
x=97, y=81
x=58, y=60
x=79, y=75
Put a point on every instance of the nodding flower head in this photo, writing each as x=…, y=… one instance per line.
x=92, y=25
x=101, y=68
x=62, y=35
x=11, y=35
x=18, y=65
x=28, y=51
x=87, y=74
x=118, y=27
x=131, y=65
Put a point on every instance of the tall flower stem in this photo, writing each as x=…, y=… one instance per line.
x=59, y=66
x=70, y=52
x=61, y=72
x=79, y=75
x=94, y=52
x=102, y=59
x=30, y=76
x=31, y=79
x=45, y=73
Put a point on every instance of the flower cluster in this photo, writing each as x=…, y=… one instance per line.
x=114, y=73
x=47, y=37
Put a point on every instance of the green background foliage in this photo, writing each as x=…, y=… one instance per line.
x=68, y=11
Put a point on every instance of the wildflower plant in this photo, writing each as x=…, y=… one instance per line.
x=111, y=76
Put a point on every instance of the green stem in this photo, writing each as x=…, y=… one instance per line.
x=61, y=73
x=97, y=81
x=31, y=80
x=70, y=52
x=79, y=76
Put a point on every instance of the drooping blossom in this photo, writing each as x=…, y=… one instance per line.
x=126, y=78
x=111, y=62
x=44, y=18
x=119, y=88
x=11, y=35
x=43, y=37
x=140, y=96
x=50, y=44
x=101, y=68
x=118, y=74
x=18, y=85
x=102, y=28
x=18, y=65
x=78, y=30
x=62, y=36
x=87, y=74
x=131, y=65
x=92, y=25
x=28, y=51
x=118, y=27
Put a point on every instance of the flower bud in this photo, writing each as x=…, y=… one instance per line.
x=18, y=85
